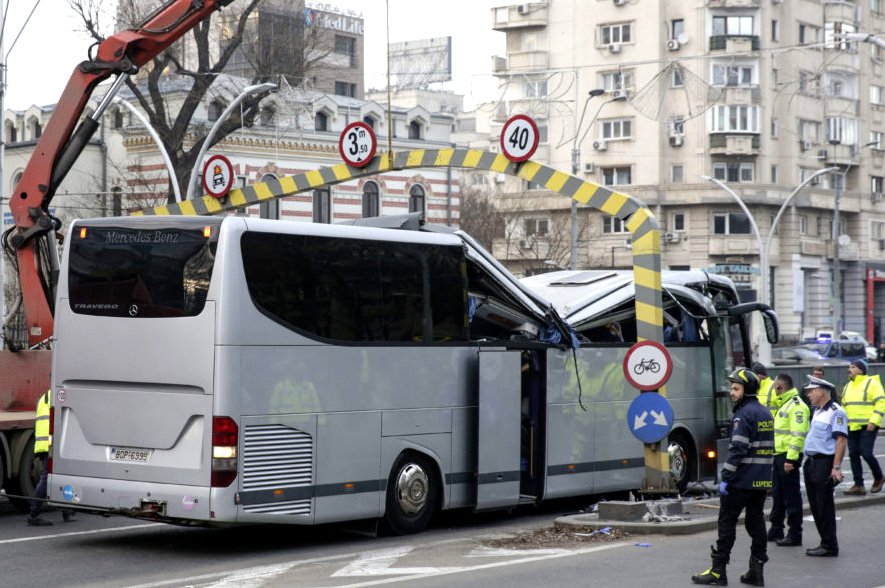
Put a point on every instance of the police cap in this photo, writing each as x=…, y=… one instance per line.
x=819, y=383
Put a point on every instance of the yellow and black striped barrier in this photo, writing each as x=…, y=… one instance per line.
x=645, y=231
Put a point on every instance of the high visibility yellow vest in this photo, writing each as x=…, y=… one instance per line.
x=768, y=395
x=42, y=440
x=790, y=425
x=864, y=402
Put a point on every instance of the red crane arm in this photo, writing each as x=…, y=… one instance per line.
x=60, y=145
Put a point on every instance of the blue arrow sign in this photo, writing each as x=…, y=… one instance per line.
x=650, y=417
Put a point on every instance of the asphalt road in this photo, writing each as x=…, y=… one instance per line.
x=111, y=552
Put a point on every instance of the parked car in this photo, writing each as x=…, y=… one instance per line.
x=801, y=354
x=825, y=338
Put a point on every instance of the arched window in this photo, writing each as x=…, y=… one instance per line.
x=414, y=130
x=268, y=116
x=370, y=199
x=11, y=133
x=321, y=121
x=271, y=208
x=216, y=107
x=322, y=206
x=118, y=118
x=369, y=121
x=34, y=128
x=416, y=198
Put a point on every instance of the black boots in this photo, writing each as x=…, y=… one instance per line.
x=753, y=577
x=715, y=575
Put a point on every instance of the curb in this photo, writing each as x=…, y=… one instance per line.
x=589, y=522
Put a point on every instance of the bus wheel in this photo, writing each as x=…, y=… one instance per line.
x=680, y=451
x=412, y=494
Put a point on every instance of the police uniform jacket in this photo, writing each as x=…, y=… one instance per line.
x=864, y=402
x=827, y=423
x=790, y=426
x=42, y=440
x=751, y=451
x=768, y=395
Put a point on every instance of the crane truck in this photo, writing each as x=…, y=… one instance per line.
x=32, y=241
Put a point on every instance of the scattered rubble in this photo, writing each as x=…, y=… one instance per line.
x=554, y=536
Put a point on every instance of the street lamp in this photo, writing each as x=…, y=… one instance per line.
x=247, y=91
x=173, y=177
x=576, y=159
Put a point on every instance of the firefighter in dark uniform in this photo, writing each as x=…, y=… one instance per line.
x=746, y=479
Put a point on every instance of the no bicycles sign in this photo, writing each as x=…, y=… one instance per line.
x=647, y=365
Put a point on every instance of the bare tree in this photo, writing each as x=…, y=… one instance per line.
x=197, y=61
x=480, y=218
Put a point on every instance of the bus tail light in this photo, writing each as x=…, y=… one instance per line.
x=224, y=451
x=711, y=454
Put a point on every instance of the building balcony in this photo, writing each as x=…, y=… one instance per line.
x=734, y=43
x=527, y=60
x=840, y=11
x=840, y=106
x=733, y=3
x=529, y=15
x=741, y=95
x=838, y=154
x=733, y=245
x=734, y=144
x=815, y=247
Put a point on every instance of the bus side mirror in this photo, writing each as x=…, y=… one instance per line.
x=772, y=332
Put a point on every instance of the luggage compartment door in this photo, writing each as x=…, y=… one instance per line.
x=498, y=434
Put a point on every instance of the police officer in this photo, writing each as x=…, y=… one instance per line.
x=746, y=479
x=767, y=393
x=825, y=448
x=790, y=428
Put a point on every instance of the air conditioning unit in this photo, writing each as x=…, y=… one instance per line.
x=600, y=145
x=628, y=243
x=673, y=45
x=589, y=168
x=815, y=181
x=619, y=2
x=676, y=140
x=805, y=145
x=672, y=237
x=525, y=244
x=876, y=197
x=822, y=154
x=620, y=93
x=500, y=178
x=523, y=9
x=614, y=48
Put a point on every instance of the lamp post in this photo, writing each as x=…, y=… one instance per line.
x=173, y=177
x=247, y=91
x=576, y=160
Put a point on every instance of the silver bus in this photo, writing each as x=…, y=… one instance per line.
x=238, y=370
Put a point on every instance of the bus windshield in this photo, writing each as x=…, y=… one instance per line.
x=140, y=273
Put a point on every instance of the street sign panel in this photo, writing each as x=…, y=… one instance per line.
x=647, y=365
x=218, y=176
x=519, y=138
x=650, y=417
x=357, y=144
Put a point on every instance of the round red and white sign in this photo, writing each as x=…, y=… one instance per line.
x=218, y=176
x=519, y=138
x=357, y=144
x=647, y=365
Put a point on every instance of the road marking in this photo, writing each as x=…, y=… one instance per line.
x=493, y=552
x=377, y=563
x=253, y=578
x=76, y=533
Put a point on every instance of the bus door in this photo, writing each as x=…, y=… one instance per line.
x=498, y=434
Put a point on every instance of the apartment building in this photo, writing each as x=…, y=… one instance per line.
x=759, y=95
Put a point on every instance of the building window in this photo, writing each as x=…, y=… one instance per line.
x=321, y=121
x=535, y=89
x=809, y=83
x=370, y=200
x=732, y=25
x=734, y=119
x=416, y=198
x=731, y=74
x=369, y=121
x=268, y=116
x=346, y=46
x=538, y=227
x=414, y=130
x=876, y=140
x=775, y=176
x=612, y=224
x=118, y=118
x=677, y=27
x=809, y=130
x=774, y=127
x=677, y=173
x=322, y=206
x=216, y=107
x=775, y=30
x=616, y=129
x=269, y=208
x=615, y=33
x=677, y=221
x=677, y=79
x=617, y=176
x=774, y=79
x=833, y=32
x=734, y=171
x=876, y=95
x=877, y=184
x=876, y=7
x=345, y=89
x=877, y=231
x=808, y=34
x=803, y=224
x=617, y=80
x=733, y=223
x=842, y=130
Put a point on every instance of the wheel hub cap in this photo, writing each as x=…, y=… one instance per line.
x=411, y=489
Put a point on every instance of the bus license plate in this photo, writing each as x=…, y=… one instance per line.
x=130, y=454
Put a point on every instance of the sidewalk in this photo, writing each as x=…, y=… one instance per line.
x=697, y=515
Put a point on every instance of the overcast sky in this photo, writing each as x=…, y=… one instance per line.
x=39, y=64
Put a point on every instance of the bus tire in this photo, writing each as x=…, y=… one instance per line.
x=23, y=484
x=682, y=459
x=412, y=494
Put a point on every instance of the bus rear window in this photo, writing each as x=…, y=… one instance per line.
x=139, y=273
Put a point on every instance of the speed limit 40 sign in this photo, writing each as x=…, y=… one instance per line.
x=357, y=144
x=519, y=138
